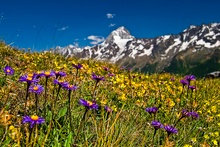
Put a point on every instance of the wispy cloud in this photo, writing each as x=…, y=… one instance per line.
x=112, y=25
x=63, y=28
x=95, y=39
x=76, y=44
x=1, y=17
x=109, y=15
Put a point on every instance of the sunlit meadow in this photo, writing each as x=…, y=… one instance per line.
x=49, y=100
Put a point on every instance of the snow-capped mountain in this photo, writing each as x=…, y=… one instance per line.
x=195, y=43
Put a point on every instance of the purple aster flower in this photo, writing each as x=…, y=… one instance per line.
x=60, y=83
x=59, y=74
x=106, y=68
x=172, y=79
x=69, y=87
x=185, y=113
x=111, y=75
x=170, y=129
x=34, y=119
x=152, y=110
x=108, y=109
x=47, y=74
x=8, y=70
x=156, y=124
x=192, y=87
x=97, y=78
x=29, y=78
x=190, y=78
x=184, y=82
x=36, y=89
x=194, y=115
x=88, y=104
x=123, y=68
x=78, y=66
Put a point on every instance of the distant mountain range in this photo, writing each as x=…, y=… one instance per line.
x=196, y=50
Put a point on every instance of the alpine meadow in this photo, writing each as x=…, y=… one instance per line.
x=48, y=100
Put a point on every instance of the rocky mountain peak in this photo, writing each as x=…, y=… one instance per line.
x=119, y=34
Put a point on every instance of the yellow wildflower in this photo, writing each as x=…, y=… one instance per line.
x=216, y=134
x=104, y=101
x=193, y=139
x=213, y=109
x=114, y=108
x=206, y=136
x=122, y=97
x=215, y=142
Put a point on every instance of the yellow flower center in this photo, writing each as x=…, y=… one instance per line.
x=61, y=81
x=47, y=73
x=35, y=88
x=90, y=103
x=30, y=75
x=29, y=78
x=8, y=70
x=34, y=117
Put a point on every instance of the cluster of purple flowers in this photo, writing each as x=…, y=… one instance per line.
x=108, y=71
x=168, y=128
x=65, y=84
x=186, y=81
x=193, y=114
x=93, y=105
x=97, y=78
x=152, y=110
x=35, y=78
x=29, y=78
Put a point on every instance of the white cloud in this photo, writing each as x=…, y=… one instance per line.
x=112, y=25
x=109, y=15
x=63, y=28
x=95, y=39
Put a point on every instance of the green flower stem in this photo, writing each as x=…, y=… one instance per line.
x=80, y=127
x=69, y=110
x=45, y=96
x=36, y=103
x=26, y=98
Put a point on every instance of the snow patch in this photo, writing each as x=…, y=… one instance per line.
x=121, y=42
x=166, y=37
x=147, y=51
x=185, y=44
x=133, y=53
x=177, y=42
x=207, y=44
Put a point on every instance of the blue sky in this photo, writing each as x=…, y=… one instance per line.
x=43, y=24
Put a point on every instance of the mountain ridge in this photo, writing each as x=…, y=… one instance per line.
x=153, y=54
